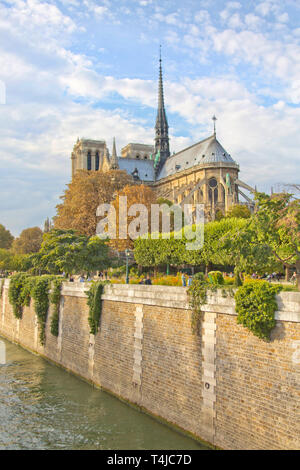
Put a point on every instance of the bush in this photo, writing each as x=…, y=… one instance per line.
x=168, y=280
x=134, y=271
x=228, y=281
x=256, y=306
x=216, y=278
x=118, y=272
x=199, y=277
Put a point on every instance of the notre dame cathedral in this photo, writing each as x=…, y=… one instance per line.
x=202, y=173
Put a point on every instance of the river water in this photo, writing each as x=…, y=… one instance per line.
x=45, y=407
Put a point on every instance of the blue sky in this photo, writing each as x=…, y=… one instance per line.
x=71, y=68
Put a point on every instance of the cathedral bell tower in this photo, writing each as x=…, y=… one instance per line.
x=162, y=150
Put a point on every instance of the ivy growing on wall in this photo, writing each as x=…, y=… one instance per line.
x=95, y=305
x=55, y=297
x=22, y=289
x=255, y=304
x=40, y=294
x=16, y=293
x=197, y=294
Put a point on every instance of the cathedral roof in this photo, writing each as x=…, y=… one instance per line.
x=145, y=168
x=204, y=152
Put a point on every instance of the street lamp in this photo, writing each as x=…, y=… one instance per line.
x=127, y=253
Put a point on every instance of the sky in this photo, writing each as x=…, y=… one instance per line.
x=71, y=68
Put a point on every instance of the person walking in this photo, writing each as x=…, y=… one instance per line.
x=183, y=279
x=294, y=277
x=190, y=280
x=148, y=281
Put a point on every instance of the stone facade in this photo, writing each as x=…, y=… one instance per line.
x=137, y=151
x=203, y=184
x=225, y=386
x=89, y=154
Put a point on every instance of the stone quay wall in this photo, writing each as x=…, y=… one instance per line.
x=224, y=385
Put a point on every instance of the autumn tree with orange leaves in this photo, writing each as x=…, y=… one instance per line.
x=87, y=190
x=136, y=194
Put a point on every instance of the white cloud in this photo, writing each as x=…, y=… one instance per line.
x=253, y=21
x=264, y=8
x=202, y=16
x=233, y=5
x=284, y=18
x=31, y=13
x=235, y=21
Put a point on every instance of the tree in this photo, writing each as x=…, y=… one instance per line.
x=6, y=238
x=136, y=194
x=276, y=223
x=70, y=252
x=87, y=190
x=239, y=211
x=239, y=246
x=6, y=260
x=148, y=252
x=29, y=241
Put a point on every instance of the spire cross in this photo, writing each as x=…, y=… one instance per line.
x=214, y=119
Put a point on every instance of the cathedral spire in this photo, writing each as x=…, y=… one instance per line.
x=162, y=150
x=214, y=120
x=114, y=159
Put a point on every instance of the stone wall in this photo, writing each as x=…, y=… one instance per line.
x=224, y=385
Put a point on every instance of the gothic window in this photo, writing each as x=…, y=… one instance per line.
x=135, y=174
x=145, y=157
x=137, y=157
x=89, y=160
x=97, y=161
x=213, y=190
x=222, y=192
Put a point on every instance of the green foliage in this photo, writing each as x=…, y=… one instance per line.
x=256, y=306
x=40, y=293
x=134, y=271
x=237, y=278
x=240, y=211
x=95, y=305
x=118, y=272
x=29, y=241
x=277, y=226
x=17, y=293
x=219, y=215
x=22, y=263
x=197, y=294
x=24, y=287
x=69, y=252
x=199, y=277
x=154, y=252
x=6, y=260
x=6, y=238
x=55, y=297
x=216, y=278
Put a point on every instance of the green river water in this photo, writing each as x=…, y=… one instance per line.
x=44, y=407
